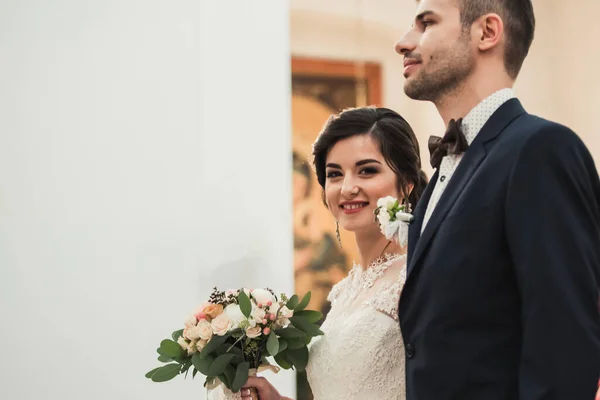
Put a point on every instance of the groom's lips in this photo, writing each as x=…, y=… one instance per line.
x=409, y=65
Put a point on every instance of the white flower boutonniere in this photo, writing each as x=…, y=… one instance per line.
x=393, y=219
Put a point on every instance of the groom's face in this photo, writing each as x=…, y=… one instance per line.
x=437, y=51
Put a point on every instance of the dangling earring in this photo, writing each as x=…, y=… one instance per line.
x=337, y=233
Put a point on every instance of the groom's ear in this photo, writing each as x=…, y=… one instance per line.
x=488, y=31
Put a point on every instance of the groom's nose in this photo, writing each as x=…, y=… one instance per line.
x=406, y=44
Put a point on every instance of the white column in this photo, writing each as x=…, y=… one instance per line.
x=144, y=157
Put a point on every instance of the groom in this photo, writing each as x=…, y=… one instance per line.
x=502, y=295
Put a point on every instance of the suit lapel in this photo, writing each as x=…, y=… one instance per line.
x=468, y=165
x=414, y=229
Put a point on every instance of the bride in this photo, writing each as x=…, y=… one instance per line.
x=362, y=155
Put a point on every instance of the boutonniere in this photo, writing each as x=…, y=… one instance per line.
x=393, y=219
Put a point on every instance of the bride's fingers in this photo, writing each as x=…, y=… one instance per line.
x=245, y=393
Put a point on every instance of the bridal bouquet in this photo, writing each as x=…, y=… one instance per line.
x=231, y=335
x=393, y=219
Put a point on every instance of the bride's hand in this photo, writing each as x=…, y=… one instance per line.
x=598, y=393
x=266, y=391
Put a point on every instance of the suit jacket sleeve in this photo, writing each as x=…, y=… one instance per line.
x=553, y=234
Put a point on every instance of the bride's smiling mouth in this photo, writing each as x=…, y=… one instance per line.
x=352, y=207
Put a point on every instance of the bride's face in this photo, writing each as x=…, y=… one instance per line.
x=357, y=176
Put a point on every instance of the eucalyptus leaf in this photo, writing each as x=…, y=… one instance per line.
x=230, y=374
x=311, y=315
x=150, y=373
x=177, y=334
x=303, y=303
x=272, y=344
x=305, y=326
x=245, y=305
x=171, y=349
x=294, y=344
x=194, y=373
x=213, y=344
x=292, y=302
x=223, y=378
x=282, y=361
x=166, y=373
x=241, y=376
x=298, y=357
x=202, y=364
x=282, y=345
x=164, y=359
x=290, y=333
x=218, y=366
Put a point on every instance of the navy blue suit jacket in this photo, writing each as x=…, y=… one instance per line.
x=502, y=295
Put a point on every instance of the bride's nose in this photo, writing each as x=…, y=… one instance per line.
x=349, y=188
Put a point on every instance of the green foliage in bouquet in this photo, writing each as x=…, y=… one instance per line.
x=245, y=329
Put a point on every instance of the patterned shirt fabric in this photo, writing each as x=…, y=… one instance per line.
x=471, y=125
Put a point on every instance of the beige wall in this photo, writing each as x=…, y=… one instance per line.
x=557, y=82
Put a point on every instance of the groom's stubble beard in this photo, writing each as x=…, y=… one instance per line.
x=445, y=72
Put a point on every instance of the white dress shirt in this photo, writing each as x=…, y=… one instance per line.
x=471, y=125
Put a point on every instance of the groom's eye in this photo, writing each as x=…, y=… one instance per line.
x=426, y=23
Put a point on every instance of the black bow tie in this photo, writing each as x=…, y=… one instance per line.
x=453, y=142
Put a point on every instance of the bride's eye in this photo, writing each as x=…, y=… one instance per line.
x=369, y=171
x=332, y=174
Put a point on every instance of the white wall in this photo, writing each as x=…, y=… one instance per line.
x=144, y=157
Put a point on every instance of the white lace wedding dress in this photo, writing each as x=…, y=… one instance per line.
x=361, y=355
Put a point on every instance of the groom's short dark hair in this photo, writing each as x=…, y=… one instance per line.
x=519, y=26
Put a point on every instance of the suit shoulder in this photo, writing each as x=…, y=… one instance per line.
x=530, y=131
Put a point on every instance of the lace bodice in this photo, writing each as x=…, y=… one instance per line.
x=361, y=355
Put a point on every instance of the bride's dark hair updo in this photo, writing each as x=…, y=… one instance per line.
x=394, y=136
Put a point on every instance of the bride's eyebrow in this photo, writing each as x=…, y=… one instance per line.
x=358, y=163
x=368, y=161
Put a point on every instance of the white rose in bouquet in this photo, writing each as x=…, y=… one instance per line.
x=235, y=315
x=205, y=331
x=263, y=297
x=221, y=325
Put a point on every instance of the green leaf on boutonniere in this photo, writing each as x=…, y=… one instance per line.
x=175, y=335
x=304, y=325
x=166, y=373
x=272, y=344
x=298, y=357
x=213, y=344
x=218, y=366
x=292, y=302
x=202, y=364
x=303, y=303
x=170, y=349
x=245, y=305
x=312, y=316
x=150, y=373
x=241, y=376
